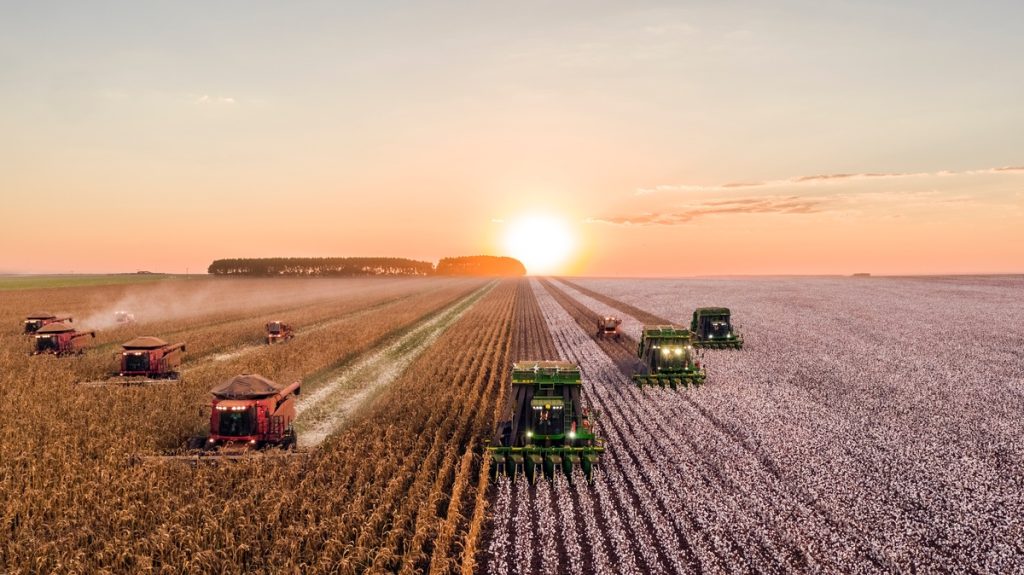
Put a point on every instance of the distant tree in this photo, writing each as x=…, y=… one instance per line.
x=480, y=266
x=320, y=267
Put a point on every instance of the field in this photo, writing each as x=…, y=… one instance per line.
x=33, y=282
x=869, y=425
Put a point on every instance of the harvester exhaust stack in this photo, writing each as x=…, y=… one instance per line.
x=550, y=430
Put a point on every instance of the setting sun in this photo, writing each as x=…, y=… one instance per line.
x=543, y=243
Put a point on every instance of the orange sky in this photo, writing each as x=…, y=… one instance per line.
x=671, y=140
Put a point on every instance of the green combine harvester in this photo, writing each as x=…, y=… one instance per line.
x=550, y=430
x=711, y=327
x=668, y=358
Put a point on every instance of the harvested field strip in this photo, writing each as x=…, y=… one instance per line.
x=341, y=393
x=641, y=316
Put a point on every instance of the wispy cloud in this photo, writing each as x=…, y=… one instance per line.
x=686, y=214
x=817, y=179
x=207, y=99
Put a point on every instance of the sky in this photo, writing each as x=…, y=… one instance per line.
x=663, y=138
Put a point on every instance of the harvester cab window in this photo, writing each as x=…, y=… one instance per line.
x=548, y=416
x=46, y=342
x=136, y=361
x=274, y=327
x=33, y=325
x=235, y=422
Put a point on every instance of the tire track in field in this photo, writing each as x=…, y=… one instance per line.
x=325, y=410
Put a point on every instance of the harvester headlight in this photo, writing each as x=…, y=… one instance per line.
x=679, y=351
x=252, y=442
x=529, y=433
x=211, y=440
x=572, y=435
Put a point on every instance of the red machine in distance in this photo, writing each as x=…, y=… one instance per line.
x=34, y=322
x=151, y=357
x=608, y=326
x=60, y=339
x=278, y=331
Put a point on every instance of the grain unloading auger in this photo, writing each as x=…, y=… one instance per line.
x=668, y=358
x=250, y=415
x=145, y=361
x=550, y=430
x=712, y=327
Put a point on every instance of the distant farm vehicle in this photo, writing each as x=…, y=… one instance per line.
x=36, y=321
x=144, y=361
x=124, y=317
x=550, y=430
x=278, y=331
x=668, y=358
x=60, y=339
x=608, y=326
x=712, y=327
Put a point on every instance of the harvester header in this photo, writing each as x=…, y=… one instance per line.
x=550, y=430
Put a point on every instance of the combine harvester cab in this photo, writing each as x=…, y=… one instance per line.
x=669, y=359
x=60, y=339
x=712, y=327
x=608, y=326
x=36, y=321
x=278, y=331
x=248, y=413
x=150, y=360
x=550, y=430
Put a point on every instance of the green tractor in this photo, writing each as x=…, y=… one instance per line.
x=550, y=430
x=668, y=358
x=711, y=327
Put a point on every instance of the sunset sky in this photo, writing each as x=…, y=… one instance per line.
x=656, y=138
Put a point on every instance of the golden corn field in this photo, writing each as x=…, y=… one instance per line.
x=396, y=489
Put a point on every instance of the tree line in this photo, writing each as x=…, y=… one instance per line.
x=379, y=266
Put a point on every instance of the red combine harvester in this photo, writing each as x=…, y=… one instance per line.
x=36, y=321
x=248, y=413
x=144, y=361
x=608, y=326
x=278, y=331
x=60, y=339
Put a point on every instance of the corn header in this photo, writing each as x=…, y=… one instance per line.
x=668, y=358
x=712, y=327
x=550, y=430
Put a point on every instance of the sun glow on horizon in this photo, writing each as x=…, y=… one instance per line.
x=542, y=243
